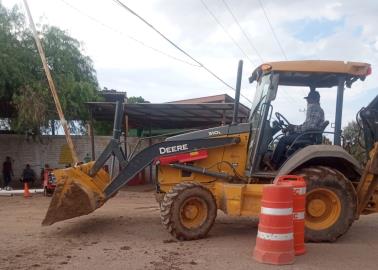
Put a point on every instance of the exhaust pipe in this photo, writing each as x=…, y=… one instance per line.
x=237, y=93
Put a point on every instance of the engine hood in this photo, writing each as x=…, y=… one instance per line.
x=212, y=132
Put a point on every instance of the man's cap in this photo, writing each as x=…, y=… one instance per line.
x=314, y=95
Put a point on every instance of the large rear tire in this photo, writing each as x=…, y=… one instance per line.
x=330, y=204
x=188, y=211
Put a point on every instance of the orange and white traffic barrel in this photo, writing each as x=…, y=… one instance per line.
x=274, y=242
x=299, y=207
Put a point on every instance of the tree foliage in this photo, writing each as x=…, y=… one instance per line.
x=104, y=128
x=134, y=100
x=354, y=141
x=22, y=79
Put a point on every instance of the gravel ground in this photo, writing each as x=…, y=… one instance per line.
x=126, y=234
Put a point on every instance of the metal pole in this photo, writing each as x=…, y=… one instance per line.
x=237, y=92
x=52, y=86
x=117, y=127
x=91, y=134
x=52, y=127
x=339, y=110
x=126, y=129
x=149, y=144
x=117, y=130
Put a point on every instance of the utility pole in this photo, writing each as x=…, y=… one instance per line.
x=52, y=86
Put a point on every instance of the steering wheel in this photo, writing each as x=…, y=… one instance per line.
x=282, y=121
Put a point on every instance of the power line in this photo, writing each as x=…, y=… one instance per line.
x=242, y=30
x=228, y=34
x=176, y=46
x=275, y=37
x=126, y=35
x=272, y=29
x=287, y=96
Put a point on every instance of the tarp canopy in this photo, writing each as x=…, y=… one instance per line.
x=170, y=115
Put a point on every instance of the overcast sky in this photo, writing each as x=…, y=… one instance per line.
x=324, y=29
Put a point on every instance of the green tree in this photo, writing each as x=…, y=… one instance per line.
x=23, y=82
x=354, y=141
x=104, y=128
x=134, y=100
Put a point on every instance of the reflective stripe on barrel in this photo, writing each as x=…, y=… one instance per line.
x=276, y=211
x=299, y=215
x=275, y=236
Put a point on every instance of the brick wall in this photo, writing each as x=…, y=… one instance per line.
x=48, y=150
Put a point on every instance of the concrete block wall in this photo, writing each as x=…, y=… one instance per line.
x=48, y=150
x=37, y=153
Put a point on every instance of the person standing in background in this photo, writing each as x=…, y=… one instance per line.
x=7, y=172
x=28, y=175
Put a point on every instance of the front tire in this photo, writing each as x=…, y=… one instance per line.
x=330, y=204
x=188, y=211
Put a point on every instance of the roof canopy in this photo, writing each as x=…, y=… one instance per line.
x=314, y=73
x=170, y=115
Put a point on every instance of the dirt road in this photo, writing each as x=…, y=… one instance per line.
x=126, y=234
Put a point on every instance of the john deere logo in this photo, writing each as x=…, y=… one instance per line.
x=173, y=149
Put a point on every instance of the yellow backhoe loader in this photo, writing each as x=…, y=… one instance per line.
x=226, y=167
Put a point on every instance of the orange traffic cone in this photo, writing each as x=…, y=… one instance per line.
x=26, y=190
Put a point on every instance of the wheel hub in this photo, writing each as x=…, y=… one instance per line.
x=193, y=213
x=323, y=208
x=316, y=208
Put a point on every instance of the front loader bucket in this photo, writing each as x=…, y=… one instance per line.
x=76, y=193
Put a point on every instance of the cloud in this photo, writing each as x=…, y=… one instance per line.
x=307, y=29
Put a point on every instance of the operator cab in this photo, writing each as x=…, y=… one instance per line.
x=267, y=131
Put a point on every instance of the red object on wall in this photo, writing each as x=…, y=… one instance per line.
x=274, y=242
x=299, y=209
x=182, y=158
x=138, y=179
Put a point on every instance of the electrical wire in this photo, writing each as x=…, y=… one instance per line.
x=272, y=29
x=226, y=32
x=242, y=30
x=176, y=46
x=276, y=39
x=287, y=96
x=126, y=35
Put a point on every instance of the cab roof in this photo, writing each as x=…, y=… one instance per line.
x=314, y=73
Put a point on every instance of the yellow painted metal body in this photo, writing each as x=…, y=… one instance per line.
x=235, y=155
x=233, y=199
x=238, y=199
x=367, y=189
